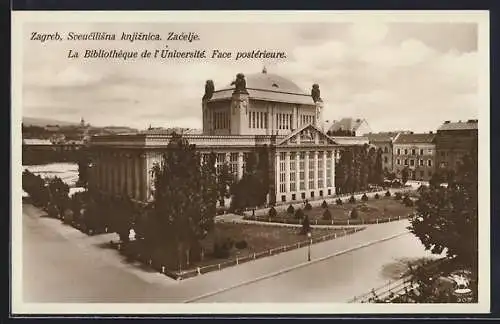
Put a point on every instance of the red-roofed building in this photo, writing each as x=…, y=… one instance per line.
x=417, y=153
x=454, y=140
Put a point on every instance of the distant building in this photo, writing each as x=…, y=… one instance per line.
x=417, y=153
x=384, y=141
x=454, y=140
x=353, y=127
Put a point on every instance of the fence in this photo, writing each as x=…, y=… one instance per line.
x=257, y=255
x=332, y=222
x=393, y=289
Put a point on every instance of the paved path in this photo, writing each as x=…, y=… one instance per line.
x=60, y=264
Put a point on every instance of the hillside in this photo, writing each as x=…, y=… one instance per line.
x=42, y=122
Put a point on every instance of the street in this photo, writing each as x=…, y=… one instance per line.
x=61, y=264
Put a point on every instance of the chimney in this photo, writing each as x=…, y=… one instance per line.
x=447, y=122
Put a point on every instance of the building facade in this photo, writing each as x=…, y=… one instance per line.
x=261, y=110
x=453, y=141
x=350, y=127
x=384, y=142
x=417, y=153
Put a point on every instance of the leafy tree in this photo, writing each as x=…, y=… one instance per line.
x=404, y=175
x=447, y=217
x=180, y=217
x=290, y=210
x=364, y=197
x=387, y=193
x=58, y=191
x=352, y=200
x=224, y=181
x=83, y=168
x=324, y=204
x=377, y=196
x=338, y=201
x=378, y=172
x=308, y=206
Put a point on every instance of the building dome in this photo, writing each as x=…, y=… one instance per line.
x=268, y=87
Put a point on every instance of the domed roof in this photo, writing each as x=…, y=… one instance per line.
x=272, y=82
x=270, y=87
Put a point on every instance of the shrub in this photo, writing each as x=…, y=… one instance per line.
x=241, y=244
x=308, y=206
x=398, y=195
x=299, y=214
x=327, y=215
x=407, y=201
x=364, y=197
x=306, y=225
x=338, y=201
x=387, y=193
x=377, y=196
x=272, y=213
x=354, y=213
x=222, y=248
x=290, y=210
x=324, y=204
x=352, y=200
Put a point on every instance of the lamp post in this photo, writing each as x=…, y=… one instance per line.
x=309, y=247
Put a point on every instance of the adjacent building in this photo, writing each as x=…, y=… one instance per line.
x=453, y=141
x=417, y=153
x=259, y=110
x=384, y=142
x=349, y=127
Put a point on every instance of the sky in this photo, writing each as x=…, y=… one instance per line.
x=410, y=76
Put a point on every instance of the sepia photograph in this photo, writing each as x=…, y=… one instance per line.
x=250, y=162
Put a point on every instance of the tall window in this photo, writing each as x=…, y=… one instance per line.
x=386, y=160
x=412, y=151
x=234, y=163
x=421, y=151
x=257, y=119
x=219, y=161
x=282, y=163
x=399, y=151
x=421, y=163
x=398, y=162
x=320, y=170
x=329, y=161
x=406, y=161
x=301, y=171
x=412, y=162
x=312, y=168
x=429, y=163
x=386, y=150
x=406, y=151
x=292, y=172
x=250, y=120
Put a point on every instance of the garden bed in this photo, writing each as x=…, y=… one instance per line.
x=372, y=211
x=261, y=241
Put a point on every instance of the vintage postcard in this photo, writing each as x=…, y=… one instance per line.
x=250, y=162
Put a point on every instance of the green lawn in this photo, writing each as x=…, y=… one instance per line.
x=260, y=238
x=372, y=209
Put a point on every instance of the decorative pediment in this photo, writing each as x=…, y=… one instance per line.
x=307, y=134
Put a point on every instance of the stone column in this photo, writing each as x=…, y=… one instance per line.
x=287, y=171
x=129, y=175
x=324, y=171
x=137, y=182
x=306, y=172
x=240, y=165
x=334, y=162
x=316, y=169
x=277, y=177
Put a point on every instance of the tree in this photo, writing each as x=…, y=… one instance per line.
x=354, y=213
x=324, y=204
x=58, y=191
x=404, y=175
x=182, y=189
x=447, y=216
x=290, y=210
x=224, y=181
x=83, y=168
x=272, y=213
x=299, y=214
x=378, y=172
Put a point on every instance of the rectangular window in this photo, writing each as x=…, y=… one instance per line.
x=293, y=196
x=406, y=151
x=257, y=119
x=329, y=162
x=312, y=167
x=398, y=162
x=421, y=151
x=412, y=162
x=412, y=151
x=399, y=151
x=429, y=163
x=406, y=161
x=234, y=163
x=386, y=160
x=265, y=119
x=320, y=170
x=283, y=198
x=421, y=162
x=250, y=121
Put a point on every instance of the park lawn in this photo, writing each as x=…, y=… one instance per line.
x=382, y=208
x=259, y=238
